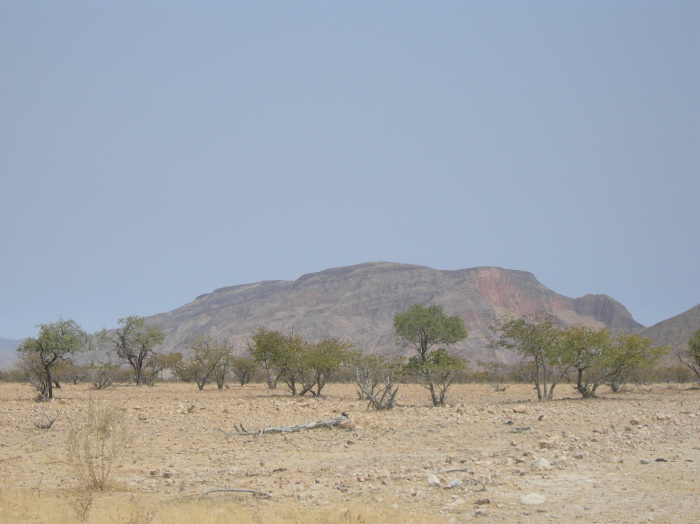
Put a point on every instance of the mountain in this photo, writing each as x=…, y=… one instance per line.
x=8, y=353
x=675, y=331
x=359, y=302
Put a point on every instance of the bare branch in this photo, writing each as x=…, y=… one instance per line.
x=235, y=490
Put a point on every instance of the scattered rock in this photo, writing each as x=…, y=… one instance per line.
x=643, y=461
x=481, y=502
x=453, y=484
x=433, y=480
x=635, y=422
x=520, y=409
x=547, y=444
x=541, y=463
x=479, y=513
x=533, y=498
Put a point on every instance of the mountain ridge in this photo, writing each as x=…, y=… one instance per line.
x=358, y=302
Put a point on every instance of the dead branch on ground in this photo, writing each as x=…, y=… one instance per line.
x=236, y=490
x=343, y=422
x=46, y=424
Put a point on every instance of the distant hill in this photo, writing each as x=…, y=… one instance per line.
x=358, y=303
x=8, y=352
x=675, y=331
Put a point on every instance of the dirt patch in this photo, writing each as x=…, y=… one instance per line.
x=628, y=457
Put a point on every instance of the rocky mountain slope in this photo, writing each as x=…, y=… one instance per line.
x=676, y=331
x=358, y=303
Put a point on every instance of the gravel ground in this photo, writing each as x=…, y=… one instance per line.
x=628, y=457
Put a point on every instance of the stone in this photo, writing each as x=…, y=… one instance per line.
x=547, y=444
x=454, y=483
x=532, y=499
x=433, y=480
x=643, y=461
x=541, y=463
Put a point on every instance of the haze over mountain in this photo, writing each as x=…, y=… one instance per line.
x=358, y=303
x=675, y=331
x=8, y=353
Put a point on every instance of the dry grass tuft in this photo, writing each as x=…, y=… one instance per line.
x=96, y=446
x=21, y=506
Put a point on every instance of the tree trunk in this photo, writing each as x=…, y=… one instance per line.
x=47, y=369
x=538, y=383
x=436, y=400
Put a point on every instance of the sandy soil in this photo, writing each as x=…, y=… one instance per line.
x=628, y=457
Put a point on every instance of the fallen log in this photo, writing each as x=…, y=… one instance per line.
x=343, y=421
x=236, y=490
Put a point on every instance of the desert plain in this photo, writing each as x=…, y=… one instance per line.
x=626, y=457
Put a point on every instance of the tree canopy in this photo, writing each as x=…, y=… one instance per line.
x=55, y=341
x=133, y=342
x=597, y=356
x=424, y=327
x=690, y=358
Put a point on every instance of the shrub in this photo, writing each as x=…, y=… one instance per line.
x=97, y=446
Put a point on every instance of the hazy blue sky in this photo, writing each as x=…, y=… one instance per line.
x=154, y=151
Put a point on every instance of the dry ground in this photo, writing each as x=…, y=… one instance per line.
x=628, y=457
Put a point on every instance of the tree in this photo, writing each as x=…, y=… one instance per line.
x=162, y=361
x=439, y=371
x=265, y=348
x=244, y=368
x=375, y=376
x=133, y=342
x=495, y=373
x=101, y=374
x=690, y=358
x=207, y=355
x=588, y=349
x=55, y=341
x=288, y=359
x=537, y=338
x=628, y=355
x=321, y=362
x=596, y=356
x=424, y=327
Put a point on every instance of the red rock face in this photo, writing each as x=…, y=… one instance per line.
x=497, y=287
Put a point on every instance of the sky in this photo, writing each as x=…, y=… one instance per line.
x=154, y=151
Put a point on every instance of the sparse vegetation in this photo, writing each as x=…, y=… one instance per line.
x=243, y=367
x=96, y=446
x=47, y=421
x=690, y=357
x=424, y=327
x=377, y=378
x=101, y=374
x=596, y=357
x=303, y=366
x=209, y=354
x=134, y=343
x=55, y=342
